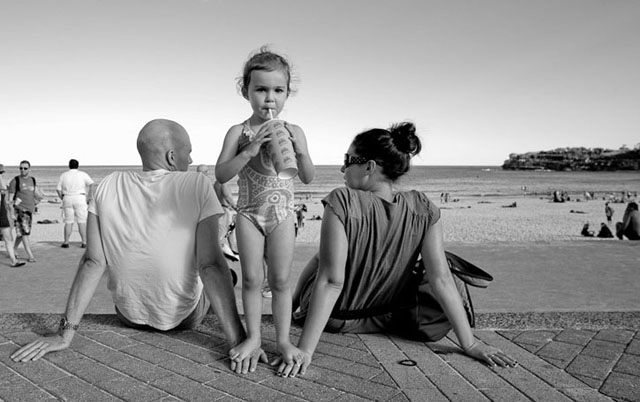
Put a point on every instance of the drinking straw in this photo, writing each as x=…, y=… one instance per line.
x=270, y=114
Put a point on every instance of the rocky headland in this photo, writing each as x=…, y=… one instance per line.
x=568, y=159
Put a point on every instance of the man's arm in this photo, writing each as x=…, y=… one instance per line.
x=90, y=270
x=218, y=287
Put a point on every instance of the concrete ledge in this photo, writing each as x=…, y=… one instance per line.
x=560, y=320
x=494, y=321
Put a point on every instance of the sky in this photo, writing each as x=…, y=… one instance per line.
x=480, y=78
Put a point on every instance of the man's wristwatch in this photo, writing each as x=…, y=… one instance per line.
x=65, y=324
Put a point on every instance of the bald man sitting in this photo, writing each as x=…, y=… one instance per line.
x=155, y=233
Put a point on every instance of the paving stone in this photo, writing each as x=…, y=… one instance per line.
x=13, y=387
x=62, y=356
x=590, y=366
x=239, y=387
x=89, y=370
x=623, y=386
x=5, y=372
x=509, y=334
x=586, y=395
x=531, y=385
x=350, y=398
x=399, y=398
x=190, y=369
x=411, y=380
x=560, y=351
x=354, y=355
x=456, y=388
x=346, y=340
x=130, y=389
x=575, y=336
x=385, y=379
x=508, y=394
x=615, y=335
x=197, y=338
x=604, y=349
x=20, y=390
x=112, y=339
x=629, y=364
x=184, y=388
x=590, y=381
x=561, y=364
x=352, y=385
x=140, y=369
x=347, y=366
x=530, y=348
x=76, y=390
x=634, y=347
x=174, y=399
x=535, y=338
x=299, y=387
x=148, y=353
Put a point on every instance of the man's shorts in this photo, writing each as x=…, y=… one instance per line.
x=194, y=319
x=23, y=222
x=74, y=207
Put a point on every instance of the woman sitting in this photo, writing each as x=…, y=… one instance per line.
x=363, y=279
x=630, y=225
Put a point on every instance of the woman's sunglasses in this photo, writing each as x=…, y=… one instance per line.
x=353, y=160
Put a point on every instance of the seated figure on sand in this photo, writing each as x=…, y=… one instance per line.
x=630, y=225
x=365, y=283
x=586, y=231
x=155, y=234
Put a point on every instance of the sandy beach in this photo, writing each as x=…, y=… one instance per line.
x=473, y=219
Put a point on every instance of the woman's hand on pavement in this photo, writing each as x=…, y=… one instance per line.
x=490, y=355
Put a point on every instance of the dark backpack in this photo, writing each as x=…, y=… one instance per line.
x=426, y=320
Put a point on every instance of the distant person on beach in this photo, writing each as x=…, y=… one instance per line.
x=155, y=234
x=558, y=196
x=371, y=239
x=630, y=225
x=265, y=220
x=6, y=222
x=73, y=187
x=22, y=193
x=608, y=212
x=605, y=232
x=586, y=231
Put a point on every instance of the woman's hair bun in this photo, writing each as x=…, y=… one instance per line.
x=405, y=139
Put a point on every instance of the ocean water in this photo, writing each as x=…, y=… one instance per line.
x=459, y=181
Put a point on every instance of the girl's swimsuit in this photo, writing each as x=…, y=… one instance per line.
x=264, y=199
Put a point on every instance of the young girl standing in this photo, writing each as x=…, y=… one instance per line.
x=265, y=222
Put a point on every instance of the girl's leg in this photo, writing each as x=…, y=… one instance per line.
x=280, y=245
x=251, y=249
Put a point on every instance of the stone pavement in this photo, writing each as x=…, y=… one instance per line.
x=565, y=353
x=108, y=362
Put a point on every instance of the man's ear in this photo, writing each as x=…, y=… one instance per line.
x=170, y=158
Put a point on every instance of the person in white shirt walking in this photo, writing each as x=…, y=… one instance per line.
x=73, y=187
